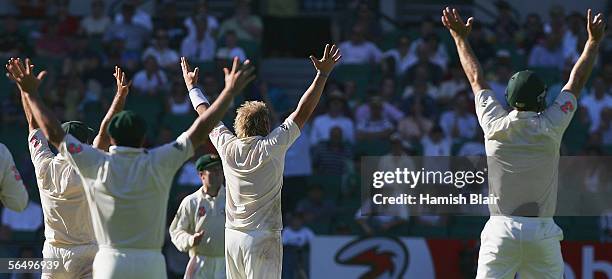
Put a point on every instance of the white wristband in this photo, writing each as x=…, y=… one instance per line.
x=197, y=97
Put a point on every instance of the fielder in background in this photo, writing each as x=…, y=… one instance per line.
x=253, y=163
x=128, y=187
x=523, y=158
x=199, y=224
x=13, y=194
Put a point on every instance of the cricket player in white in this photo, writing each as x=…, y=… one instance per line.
x=253, y=162
x=13, y=194
x=69, y=234
x=199, y=224
x=128, y=187
x=523, y=156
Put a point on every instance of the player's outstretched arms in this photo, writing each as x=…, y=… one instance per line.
x=102, y=140
x=236, y=80
x=311, y=97
x=28, y=83
x=460, y=31
x=582, y=70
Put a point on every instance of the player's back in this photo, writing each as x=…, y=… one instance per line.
x=62, y=196
x=253, y=169
x=523, y=154
x=129, y=188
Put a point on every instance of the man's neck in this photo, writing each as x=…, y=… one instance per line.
x=207, y=191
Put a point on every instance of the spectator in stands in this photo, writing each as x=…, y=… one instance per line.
x=435, y=144
x=126, y=28
x=449, y=88
x=388, y=90
x=503, y=72
x=459, y=123
x=597, y=101
x=28, y=220
x=398, y=58
x=398, y=157
x=420, y=92
x=554, y=90
x=52, y=44
x=363, y=16
x=151, y=79
x=573, y=37
x=188, y=175
x=482, y=46
x=13, y=41
x=556, y=15
x=170, y=21
x=533, y=31
x=231, y=48
x=358, y=50
x=178, y=103
x=604, y=130
x=316, y=206
x=436, y=52
x=140, y=17
x=505, y=25
x=375, y=125
x=166, y=57
x=334, y=117
x=549, y=53
x=247, y=26
x=96, y=23
x=10, y=109
x=329, y=157
x=381, y=219
x=201, y=12
x=67, y=24
x=416, y=125
x=475, y=146
x=296, y=248
x=389, y=111
x=424, y=61
x=200, y=46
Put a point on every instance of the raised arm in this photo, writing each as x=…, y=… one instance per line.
x=24, y=103
x=460, y=31
x=28, y=84
x=311, y=97
x=582, y=70
x=235, y=81
x=102, y=140
x=198, y=100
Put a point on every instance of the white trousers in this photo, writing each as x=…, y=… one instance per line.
x=205, y=267
x=524, y=245
x=126, y=263
x=253, y=254
x=76, y=260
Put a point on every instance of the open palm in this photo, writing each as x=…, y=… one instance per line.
x=24, y=75
x=331, y=56
x=454, y=23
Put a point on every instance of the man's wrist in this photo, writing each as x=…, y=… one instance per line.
x=593, y=42
x=322, y=74
x=196, y=96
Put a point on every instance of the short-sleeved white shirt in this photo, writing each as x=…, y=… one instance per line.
x=523, y=152
x=128, y=189
x=62, y=197
x=253, y=169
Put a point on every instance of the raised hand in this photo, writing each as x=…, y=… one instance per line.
x=595, y=26
x=331, y=56
x=239, y=76
x=453, y=22
x=190, y=77
x=24, y=76
x=123, y=86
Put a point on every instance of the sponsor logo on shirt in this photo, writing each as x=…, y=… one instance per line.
x=74, y=148
x=567, y=107
x=35, y=142
x=284, y=127
x=201, y=211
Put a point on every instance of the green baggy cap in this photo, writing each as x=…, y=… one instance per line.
x=79, y=130
x=526, y=91
x=207, y=161
x=127, y=128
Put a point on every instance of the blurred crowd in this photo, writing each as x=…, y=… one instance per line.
x=395, y=93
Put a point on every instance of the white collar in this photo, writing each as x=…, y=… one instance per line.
x=124, y=149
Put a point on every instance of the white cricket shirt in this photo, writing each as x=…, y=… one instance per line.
x=200, y=212
x=62, y=197
x=523, y=152
x=253, y=169
x=13, y=193
x=128, y=189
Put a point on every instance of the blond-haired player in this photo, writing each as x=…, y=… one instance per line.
x=199, y=224
x=253, y=162
x=128, y=187
x=523, y=159
x=13, y=194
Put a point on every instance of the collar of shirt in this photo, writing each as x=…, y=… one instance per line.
x=515, y=114
x=124, y=149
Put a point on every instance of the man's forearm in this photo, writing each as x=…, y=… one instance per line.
x=210, y=117
x=48, y=122
x=102, y=140
x=582, y=70
x=28, y=113
x=309, y=100
x=470, y=64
